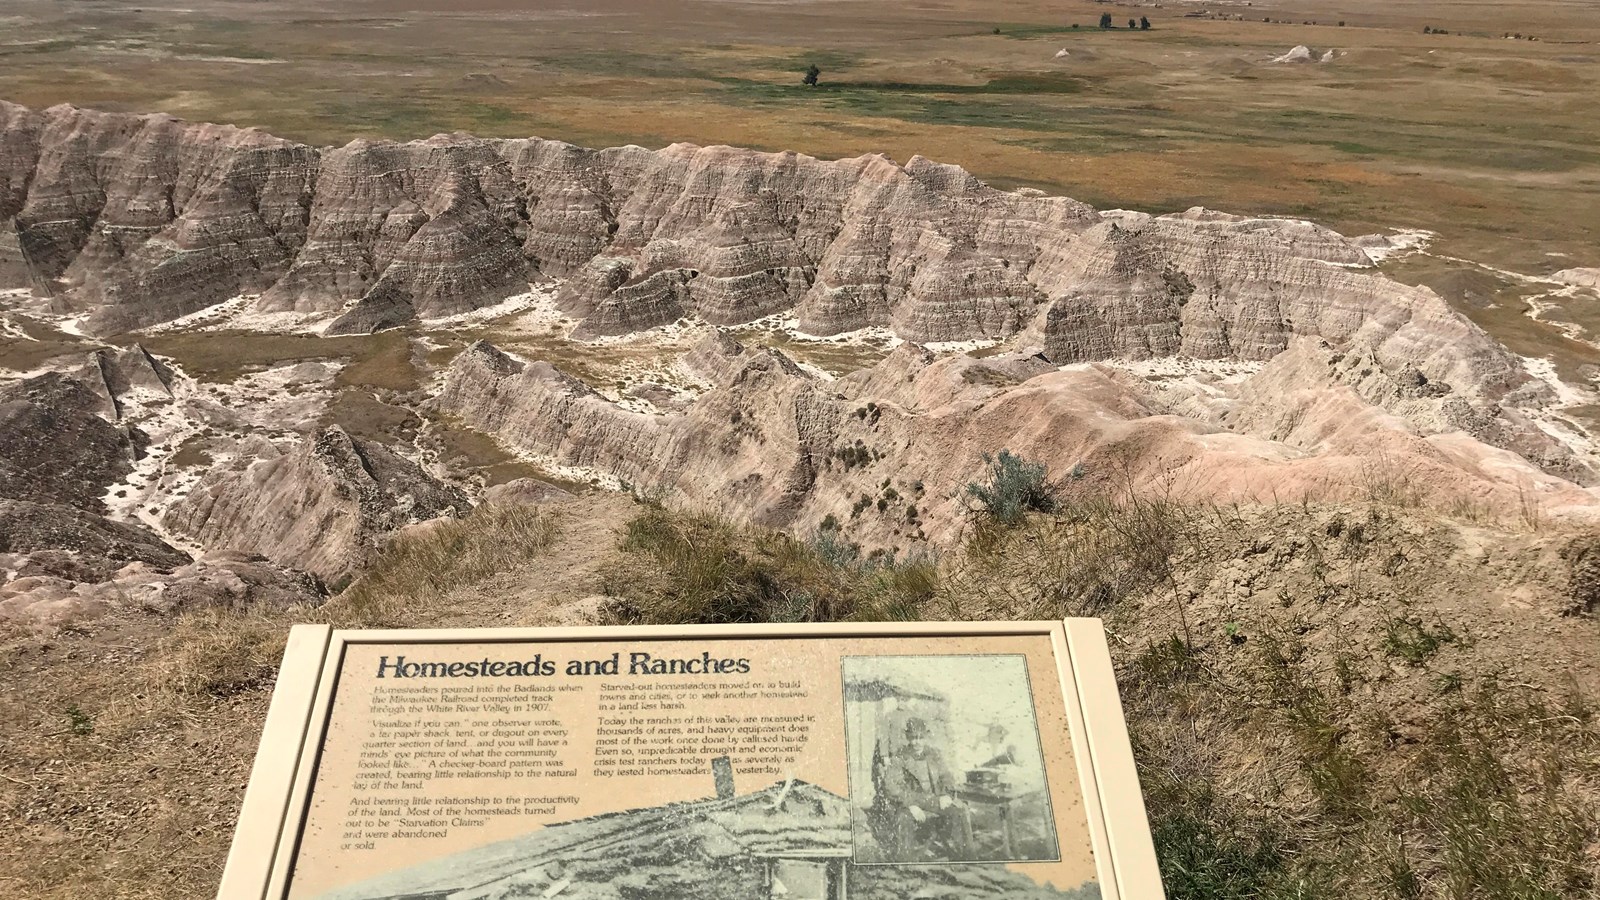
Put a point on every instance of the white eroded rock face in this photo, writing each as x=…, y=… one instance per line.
x=129, y=221
x=1211, y=286
x=1589, y=278
x=322, y=507
x=134, y=220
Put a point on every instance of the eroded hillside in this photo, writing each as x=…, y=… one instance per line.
x=245, y=382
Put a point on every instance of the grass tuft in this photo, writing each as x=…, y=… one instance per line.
x=695, y=568
x=1409, y=639
x=412, y=575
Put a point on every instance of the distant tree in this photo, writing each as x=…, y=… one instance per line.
x=1144, y=23
x=1074, y=26
x=1132, y=24
x=812, y=74
x=1427, y=29
x=1105, y=20
x=997, y=31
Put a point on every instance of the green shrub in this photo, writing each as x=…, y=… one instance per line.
x=1014, y=488
x=78, y=721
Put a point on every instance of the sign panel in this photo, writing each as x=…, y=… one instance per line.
x=794, y=763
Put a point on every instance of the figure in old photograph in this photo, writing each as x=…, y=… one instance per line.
x=945, y=762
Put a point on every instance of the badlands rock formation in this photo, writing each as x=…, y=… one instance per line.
x=1302, y=54
x=60, y=540
x=135, y=220
x=321, y=507
x=55, y=446
x=63, y=452
x=887, y=451
x=1325, y=377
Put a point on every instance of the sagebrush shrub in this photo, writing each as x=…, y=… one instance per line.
x=1014, y=488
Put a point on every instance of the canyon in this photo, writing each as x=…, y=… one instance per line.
x=1206, y=355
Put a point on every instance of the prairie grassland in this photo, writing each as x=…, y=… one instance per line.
x=128, y=743
x=1491, y=142
x=1326, y=700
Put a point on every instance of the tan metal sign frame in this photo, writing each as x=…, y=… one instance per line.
x=276, y=801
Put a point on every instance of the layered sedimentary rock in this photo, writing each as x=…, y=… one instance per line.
x=63, y=541
x=47, y=593
x=134, y=220
x=888, y=451
x=127, y=374
x=56, y=445
x=1207, y=285
x=324, y=506
x=400, y=231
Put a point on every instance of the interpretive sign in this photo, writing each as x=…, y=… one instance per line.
x=817, y=762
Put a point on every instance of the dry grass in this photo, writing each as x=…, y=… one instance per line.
x=382, y=362
x=1488, y=793
x=377, y=369
x=470, y=452
x=363, y=415
x=127, y=746
x=223, y=356
x=25, y=355
x=1317, y=708
x=410, y=578
x=686, y=567
x=1285, y=752
x=124, y=757
x=1325, y=701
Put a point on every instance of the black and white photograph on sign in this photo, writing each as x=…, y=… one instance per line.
x=944, y=760
x=783, y=841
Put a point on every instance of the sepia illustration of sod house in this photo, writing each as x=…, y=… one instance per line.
x=789, y=841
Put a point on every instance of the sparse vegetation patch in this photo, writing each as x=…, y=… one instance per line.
x=694, y=568
x=1012, y=488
